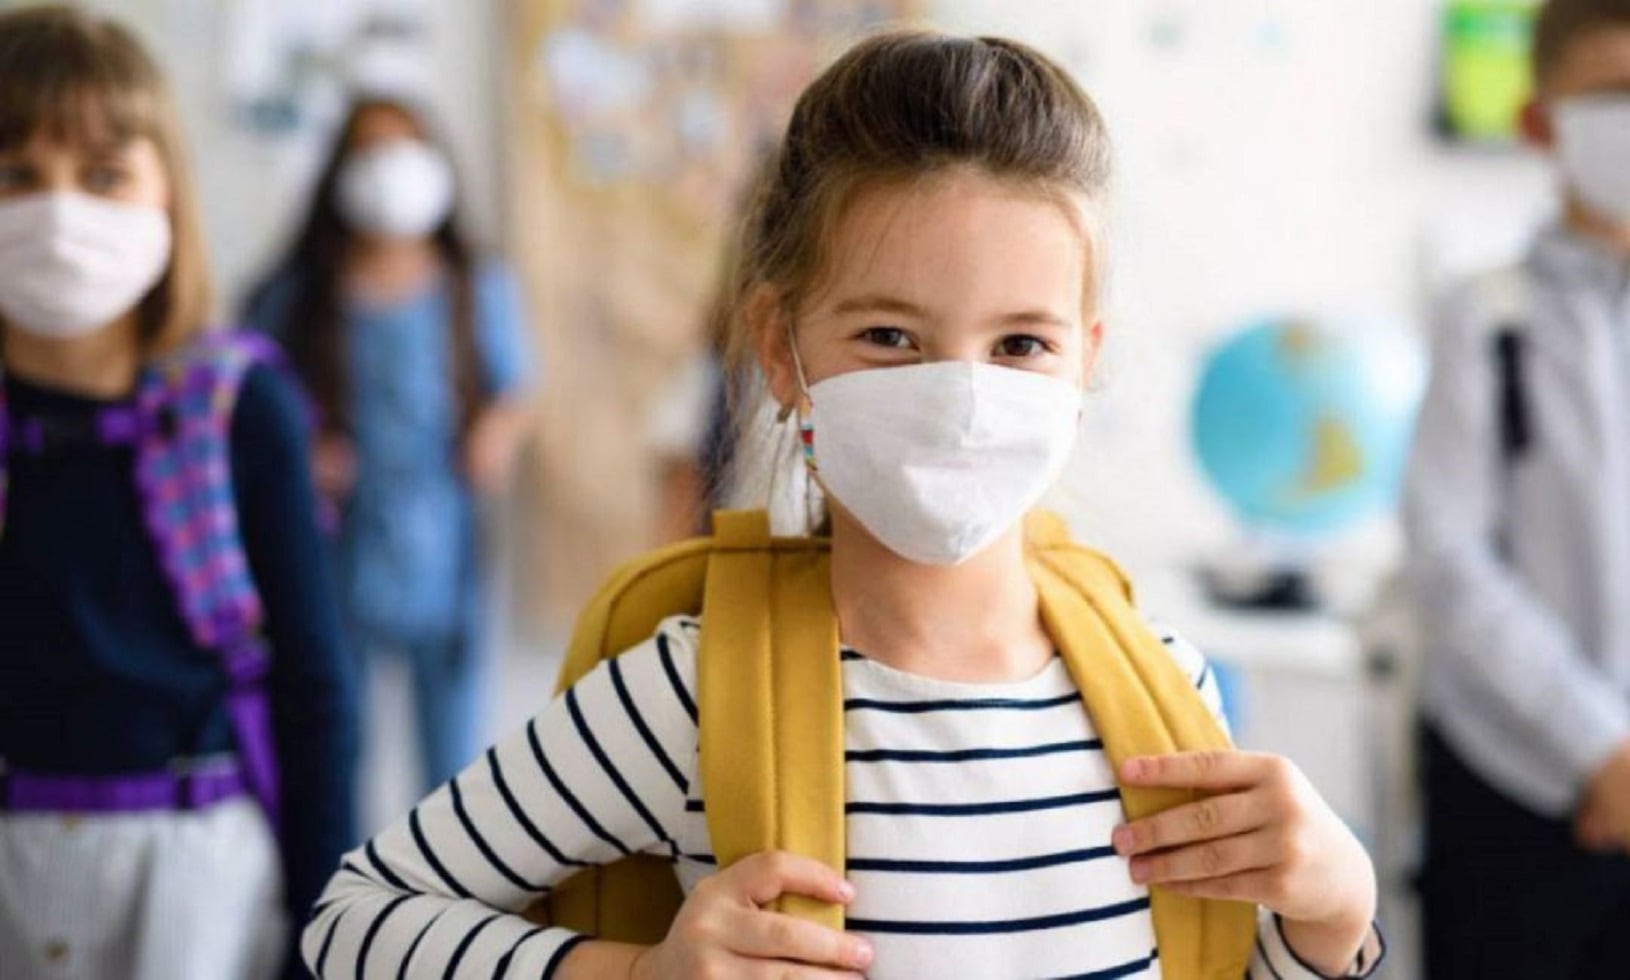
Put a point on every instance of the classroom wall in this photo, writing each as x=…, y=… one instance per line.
x=252, y=184
x=1273, y=155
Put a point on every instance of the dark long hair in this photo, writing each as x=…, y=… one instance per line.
x=315, y=333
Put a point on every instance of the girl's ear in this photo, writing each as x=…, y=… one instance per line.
x=1092, y=344
x=1535, y=126
x=767, y=319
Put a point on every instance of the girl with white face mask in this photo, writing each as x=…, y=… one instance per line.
x=175, y=703
x=415, y=350
x=920, y=291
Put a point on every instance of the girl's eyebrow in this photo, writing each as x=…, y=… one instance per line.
x=106, y=148
x=879, y=303
x=1037, y=316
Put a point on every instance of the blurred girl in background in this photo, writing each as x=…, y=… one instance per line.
x=414, y=349
x=172, y=680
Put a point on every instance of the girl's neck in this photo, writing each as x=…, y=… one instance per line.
x=978, y=622
x=390, y=268
x=99, y=365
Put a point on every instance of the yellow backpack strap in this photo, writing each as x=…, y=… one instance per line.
x=632, y=900
x=770, y=695
x=635, y=598
x=1141, y=704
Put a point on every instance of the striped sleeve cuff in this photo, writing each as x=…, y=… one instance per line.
x=412, y=935
x=568, y=942
x=1276, y=960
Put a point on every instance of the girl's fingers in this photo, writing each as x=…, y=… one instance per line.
x=762, y=878
x=1594, y=832
x=1261, y=887
x=761, y=935
x=1222, y=769
x=1216, y=816
x=770, y=970
x=1211, y=859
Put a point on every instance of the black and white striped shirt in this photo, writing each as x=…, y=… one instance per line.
x=978, y=830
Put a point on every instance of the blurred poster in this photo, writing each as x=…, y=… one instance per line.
x=735, y=15
x=1485, y=78
x=684, y=93
x=292, y=64
x=634, y=127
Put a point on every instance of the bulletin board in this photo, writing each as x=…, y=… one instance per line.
x=633, y=126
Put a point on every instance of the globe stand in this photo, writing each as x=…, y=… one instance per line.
x=1264, y=571
x=1268, y=590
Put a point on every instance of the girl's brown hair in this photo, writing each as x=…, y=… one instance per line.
x=903, y=106
x=85, y=81
x=898, y=108
x=1561, y=22
x=315, y=330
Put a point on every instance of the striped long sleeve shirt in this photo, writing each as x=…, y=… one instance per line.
x=978, y=830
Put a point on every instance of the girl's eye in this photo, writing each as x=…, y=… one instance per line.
x=1021, y=346
x=887, y=337
x=14, y=176
x=103, y=178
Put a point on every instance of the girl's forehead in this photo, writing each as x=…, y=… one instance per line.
x=379, y=123
x=959, y=234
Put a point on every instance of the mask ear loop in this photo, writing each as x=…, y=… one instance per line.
x=778, y=442
x=806, y=432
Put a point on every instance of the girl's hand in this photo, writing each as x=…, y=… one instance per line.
x=492, y=445
x=334, y=467
x=1603, y=819
x=723, y=929
x=1267, y=837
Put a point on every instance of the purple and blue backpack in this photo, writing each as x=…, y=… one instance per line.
x=179, y=424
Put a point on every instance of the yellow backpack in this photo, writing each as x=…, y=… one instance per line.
x=770, y=698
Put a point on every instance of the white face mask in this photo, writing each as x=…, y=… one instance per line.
x=938, y=460
x=400, y=189
x=72, y=263
x=1593, y=149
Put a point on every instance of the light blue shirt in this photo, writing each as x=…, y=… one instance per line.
x=408, y=536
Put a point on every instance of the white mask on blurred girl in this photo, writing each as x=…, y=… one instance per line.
x=72, y=263
x=400, y=189
x=1593, y=149
x=938, y=460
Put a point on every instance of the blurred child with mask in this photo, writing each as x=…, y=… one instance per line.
x=175, y=704
x=414, y=349
x=1518, y=510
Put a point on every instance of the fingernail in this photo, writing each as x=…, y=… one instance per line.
x=1140, y=870
x=863, y=954
x=1121, y=838
x=846, y=891
x=1131, y=769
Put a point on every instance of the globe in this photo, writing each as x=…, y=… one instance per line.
x=1304, y=427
